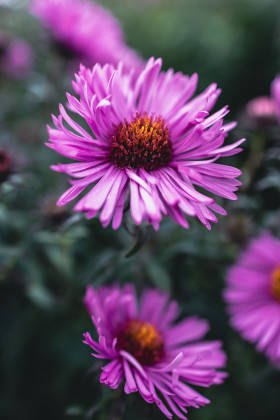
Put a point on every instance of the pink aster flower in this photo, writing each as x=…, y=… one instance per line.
x=253, y=295
x=275, y=93
x=148, y=352
x=87, y=29
x=149, y=138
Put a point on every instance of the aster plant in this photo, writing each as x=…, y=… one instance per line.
x=148, y=138
x=85, y=29
x=148, y=352
x=253, y=295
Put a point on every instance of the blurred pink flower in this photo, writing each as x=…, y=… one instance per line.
x=253, y=295
x=261, y=109
x=87, y=29
x=149, y=138
x=16, y=56
x=148, y=352
x=275, y=93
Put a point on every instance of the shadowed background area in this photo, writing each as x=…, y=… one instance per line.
x=48, y=254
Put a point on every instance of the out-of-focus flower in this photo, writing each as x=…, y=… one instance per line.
x=13, y=160
x=87, y=30
x=6, y=164
x=149, y=138
x=253, y=295
x=16, y=56
x=261, y=111
x=148, y=351
x=275, y=93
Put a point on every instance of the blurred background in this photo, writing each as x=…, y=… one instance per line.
x=49, y=254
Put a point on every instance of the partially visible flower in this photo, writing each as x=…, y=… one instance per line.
x=275, y=93
x=16, y=56
x=148, y=352
x=148, y=138
x=261, y=110
x=87, y=30
x=6, y=164
x=253, y=295
x=12, y=159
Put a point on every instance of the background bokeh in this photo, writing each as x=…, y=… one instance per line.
x=48, y=255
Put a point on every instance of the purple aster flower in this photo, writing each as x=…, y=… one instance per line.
x=148, y=352
x=253, y=295
x=16, y=56
x=148, y=138
x=275, y=93
x=86, y=29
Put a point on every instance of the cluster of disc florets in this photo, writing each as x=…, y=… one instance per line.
x=143, y=341
x=142, y=143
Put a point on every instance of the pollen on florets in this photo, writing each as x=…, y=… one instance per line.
x=275, y=286
x=142, y=340
x=142, y=143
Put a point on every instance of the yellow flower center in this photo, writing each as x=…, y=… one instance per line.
x=142, y=340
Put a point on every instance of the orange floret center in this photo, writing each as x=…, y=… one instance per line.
x=142, y=143
x=275, y=286
x=143, y=341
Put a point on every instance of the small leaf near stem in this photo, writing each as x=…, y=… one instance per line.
x=141, y=234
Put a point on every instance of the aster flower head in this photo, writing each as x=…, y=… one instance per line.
x=87, y=30
x=253, y=295
x=148, y=352
x=148, y=138
x=275, y=93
